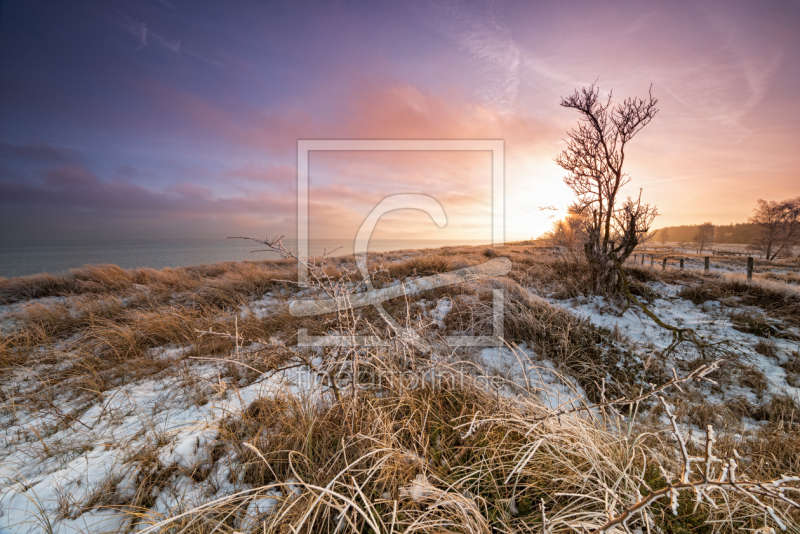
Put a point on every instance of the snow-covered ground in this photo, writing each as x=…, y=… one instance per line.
x=45, y=477
x=49, y=469
x=711, y=320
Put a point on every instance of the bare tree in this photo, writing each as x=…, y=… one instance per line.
x=779, y=222
x=664, y=234
x=568, y=232
x=704, y=235
x=593, y=159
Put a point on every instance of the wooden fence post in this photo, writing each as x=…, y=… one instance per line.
x=652, y=259
x=664, y=264
x=642, y=259
x=706, y=263
x=681, y=263
x=750, y=267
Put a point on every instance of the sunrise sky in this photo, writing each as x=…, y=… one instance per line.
x=178, y=118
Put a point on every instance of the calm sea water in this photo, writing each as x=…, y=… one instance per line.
x=58, y=256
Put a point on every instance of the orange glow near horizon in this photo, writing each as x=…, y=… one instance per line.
x=108, y=134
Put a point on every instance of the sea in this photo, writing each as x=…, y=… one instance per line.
x=24, y=258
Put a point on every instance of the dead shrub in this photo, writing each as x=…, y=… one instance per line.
x=642, y=291
x=698, y=294
x=705, y=413
x=766, y=347
x=757, y=325
x=740, y=407
x=781, y=408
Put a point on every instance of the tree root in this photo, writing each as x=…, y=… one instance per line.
x=678, y=334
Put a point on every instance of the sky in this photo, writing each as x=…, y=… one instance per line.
x=180, y=119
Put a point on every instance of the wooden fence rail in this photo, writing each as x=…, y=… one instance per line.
x=681, y=260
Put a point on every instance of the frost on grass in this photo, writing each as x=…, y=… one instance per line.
x=203, y=432
x=711, y=319
x=78, y=478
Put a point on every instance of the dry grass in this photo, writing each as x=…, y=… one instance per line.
x=752, y=378
x=777, y=298
x=219, y=284
x=577, y=348
x=766, y=347
x=421, y=266
x=442, y=457
x=780, y=409
x=434, y=456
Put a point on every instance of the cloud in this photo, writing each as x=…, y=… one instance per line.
x=380, y=109
x=70, y=176
x=71, y=192
x=127, y=171
x=280, y=176
x=746, y=66
x=260, y=170
x=190, y=191
x=480, y=29
x=168, y=5
x=142, y=36
x=145, y=36
x=403, y=111
x=39, y=152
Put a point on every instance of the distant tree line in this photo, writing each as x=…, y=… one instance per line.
x=773, y=230
x=741, y=233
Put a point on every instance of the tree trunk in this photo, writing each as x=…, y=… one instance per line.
x=604, y=276
x=605, y=279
